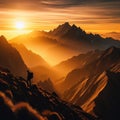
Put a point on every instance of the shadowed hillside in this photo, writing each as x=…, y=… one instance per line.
x=108, y=100
x=49, y=106
x=31, y=59
x=11, y=59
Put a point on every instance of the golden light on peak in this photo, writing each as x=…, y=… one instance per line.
x=20, y=25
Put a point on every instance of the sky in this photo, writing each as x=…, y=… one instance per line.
x=97, y=16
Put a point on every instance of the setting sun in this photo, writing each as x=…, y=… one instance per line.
x=20, y=25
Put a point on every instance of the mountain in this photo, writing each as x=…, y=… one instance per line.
x=42, y=71
x=83, y=85
x=23, y=102
x=61, y=29
x=66, y=31
x=45, y=45
x=31, y=59
x=11, y=59
x=76, y=37
x=77, y=62
x=63, y=42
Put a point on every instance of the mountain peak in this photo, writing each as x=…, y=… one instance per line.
x=67, y=24
x=74, y=26
x=3, y=42
x=3, y=39
x=61, y=29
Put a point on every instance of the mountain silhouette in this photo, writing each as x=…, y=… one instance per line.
x=11, y=59
x=67, y=31
x=22, y=102
x=61, y=29
x=73, y=35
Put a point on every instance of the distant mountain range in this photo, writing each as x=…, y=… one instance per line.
x=11, y=59
x=114, y=35
x=63, y=42
x=72, y=34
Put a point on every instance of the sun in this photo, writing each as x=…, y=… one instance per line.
x=20, y=25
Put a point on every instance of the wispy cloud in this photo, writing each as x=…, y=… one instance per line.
x=39, y=4
x=47, y=12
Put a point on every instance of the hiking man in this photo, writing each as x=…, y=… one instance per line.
x=29, y=77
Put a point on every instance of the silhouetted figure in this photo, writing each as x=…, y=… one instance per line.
x=29, y=78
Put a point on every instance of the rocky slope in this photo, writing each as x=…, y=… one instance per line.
x=107, y=103
x=49, y=106
x=84, y=84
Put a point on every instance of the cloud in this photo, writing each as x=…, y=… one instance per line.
x=49, y=12
x=40, y=4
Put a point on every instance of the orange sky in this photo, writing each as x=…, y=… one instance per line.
x=91, y=16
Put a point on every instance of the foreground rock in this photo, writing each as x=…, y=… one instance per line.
x=49, y=106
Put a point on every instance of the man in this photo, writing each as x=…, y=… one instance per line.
x=29, y=77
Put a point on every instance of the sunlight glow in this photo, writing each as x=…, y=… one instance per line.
x=20, y=25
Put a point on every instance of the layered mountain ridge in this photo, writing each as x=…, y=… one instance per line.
x=87, y=82
x=88, y=75
x=73, y=34
x=63, y=42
